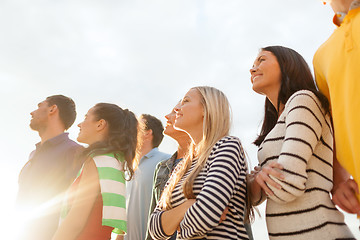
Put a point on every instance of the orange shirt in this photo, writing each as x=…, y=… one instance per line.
x=93, y=230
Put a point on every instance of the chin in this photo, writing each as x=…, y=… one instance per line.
x=79, y=139
x=257, y=90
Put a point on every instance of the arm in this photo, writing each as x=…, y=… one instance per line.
x=86, y=194
x=344, y=190
x=153, y=199
x=304, y=121
x=226, y=169
x=162, y=224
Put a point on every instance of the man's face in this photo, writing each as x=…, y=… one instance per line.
x=39, y=117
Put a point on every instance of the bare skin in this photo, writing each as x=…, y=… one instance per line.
x=86, y=194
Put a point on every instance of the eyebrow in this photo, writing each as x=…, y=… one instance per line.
x=258, y=59
x=186, y=97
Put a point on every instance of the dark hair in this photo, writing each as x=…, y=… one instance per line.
x=66, y=106
x=154, y=124
x=295, y=76
x=122, y=134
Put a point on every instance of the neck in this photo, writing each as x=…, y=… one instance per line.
x=196, y=134
x=145, y=149
x=183, y=146
x=50, y=132
x=273, y=98
x=341, y=5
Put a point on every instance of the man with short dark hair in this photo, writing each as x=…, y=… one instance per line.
x=139, y=189
x=50, y=170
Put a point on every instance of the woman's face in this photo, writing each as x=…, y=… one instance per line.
x=266, y=74
x=88, y=128
x=170, y=120
x=190, y=112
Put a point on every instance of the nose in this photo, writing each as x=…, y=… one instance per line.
x=253, y=69
x=177, y=109
x=79, y=125
x=167, y=116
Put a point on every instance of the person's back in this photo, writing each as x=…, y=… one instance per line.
x=50, y=170
x=139, y=189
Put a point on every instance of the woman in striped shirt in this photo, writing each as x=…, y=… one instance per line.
x=295, y=151
x=209, y=180
x=95, y=205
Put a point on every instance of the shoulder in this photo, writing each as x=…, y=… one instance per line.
x=165, y=162
x=304, y=98
x=228, y=140
x=71, y=147
x=156, y=154
x=106, y=161
x=228, y=143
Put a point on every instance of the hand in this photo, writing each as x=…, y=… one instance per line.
x=344, y=196
x=263, y=179
x=255, y=171
x=223, y=216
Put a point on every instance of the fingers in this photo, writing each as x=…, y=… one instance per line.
x=353, y=185
x=257, y=168
x=223, y=216
x=344, y=196
x=264, y=180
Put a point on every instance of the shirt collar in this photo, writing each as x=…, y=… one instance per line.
x=339, y=16
x=150, y=154
x=53, y=141
x=169, y=164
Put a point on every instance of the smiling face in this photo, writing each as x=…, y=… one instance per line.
x=266, y=74
x=169, y=127
x=170, y=120
x=190, y=113
x=88, y=128
x=39, y=117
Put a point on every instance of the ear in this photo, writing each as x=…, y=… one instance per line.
x=147, y=134
x=53, y=110
x=101, y=125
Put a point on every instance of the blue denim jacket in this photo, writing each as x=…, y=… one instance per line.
x=162, y=173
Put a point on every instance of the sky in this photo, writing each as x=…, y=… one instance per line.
x=141, y=55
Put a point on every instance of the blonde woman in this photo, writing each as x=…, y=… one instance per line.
x=211, y=178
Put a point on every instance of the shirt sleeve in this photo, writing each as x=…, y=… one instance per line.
x=224, y=169
x=155, y=229
x=304, y=120
x=320, y=78
x=153, y=199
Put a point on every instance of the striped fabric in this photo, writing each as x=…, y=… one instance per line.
x=221, y=183
x=112, y=187
x=302, y=141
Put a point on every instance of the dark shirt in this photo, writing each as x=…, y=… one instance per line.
x=44, y=179
x=161, y=176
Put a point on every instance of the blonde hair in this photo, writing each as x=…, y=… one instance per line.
x=216, y=125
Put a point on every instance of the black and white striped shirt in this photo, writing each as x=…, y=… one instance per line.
x=221, y=183
x=302, y=141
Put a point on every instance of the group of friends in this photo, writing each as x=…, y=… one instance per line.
x=308, y=153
